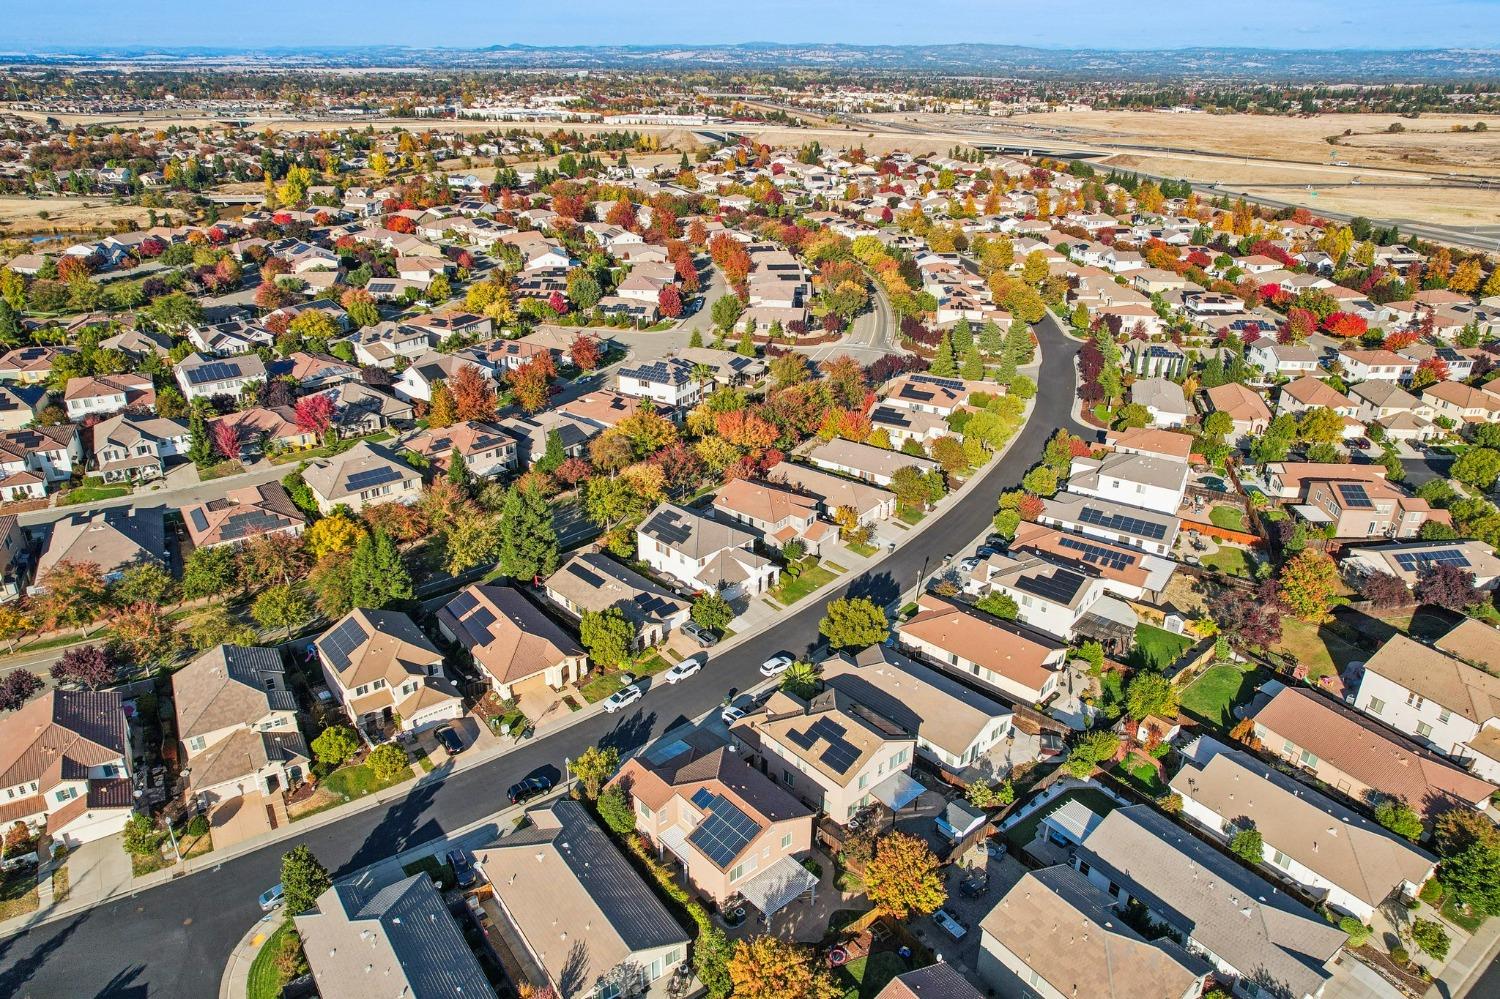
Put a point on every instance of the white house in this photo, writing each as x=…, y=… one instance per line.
x=703, y=553
x=669, y=382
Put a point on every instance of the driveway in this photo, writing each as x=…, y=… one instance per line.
x=235, y=820
x=99, y=868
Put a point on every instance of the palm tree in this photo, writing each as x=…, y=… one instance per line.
x=801, y=679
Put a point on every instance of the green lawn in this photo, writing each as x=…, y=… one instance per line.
x=1230, y=518
x=1157, y=649
x=1231, y=561
x=913, y=517
x=1210, y=697
x=1140, y=775
x=92, y=494
x=861, y=549
x=812, y=576
x=1112, y=694
x=1096, y=801
x=338, y=447
x=865, y=977
x=604, y=684
x=1321, y=651
x=358, y=781
x=432, y=867
x=264, y=979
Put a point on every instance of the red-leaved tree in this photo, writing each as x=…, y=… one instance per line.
x=314, y=413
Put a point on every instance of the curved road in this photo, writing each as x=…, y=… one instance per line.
x=173, y=940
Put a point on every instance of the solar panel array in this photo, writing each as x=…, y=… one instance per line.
x=948, y=383
x=1354, y=496
x=339, y=645
x=725, y=831
x=215, y=371
x=837, y=753
x=1059, y=587
x=244, y=525
x=1097, y=554
x=671, y=527
x=1121, y=522
x=360, y=481
x=1417, y=561
x=200, y=522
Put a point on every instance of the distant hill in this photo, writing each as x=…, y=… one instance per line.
x=988, y=60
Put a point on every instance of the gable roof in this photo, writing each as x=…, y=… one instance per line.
x=691, y=533
x=509, y=636
x=1438, y=677
x=229, y=685
x=1473, y=641
x=80, y=728
x=1000, y=646
x=936, y=981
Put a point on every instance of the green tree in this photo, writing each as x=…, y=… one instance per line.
x=553, y=457
x=1248, y=845
x=284, y=605
x=746, y=345
x=1150, y=694
x=1431, y=938
x=712, y=611
x=593, y=767
x=903, y=877
x=616, y=811
x=944, y=363
x=528, y=548
x=377, y=573
x=200, y=446
x=1001, y=605
x=1477, y=468
x=854, y=622
x=303, y=879
x=144, y=583
x=1091, y=749
x=1472, y=877
x=141, y=837
x=801, y=679
x=389, y=762
x=1308, y=584
x=973, y=366
x=1400, y=818
x=726, y=312
x=607, y=635
x=335, y=745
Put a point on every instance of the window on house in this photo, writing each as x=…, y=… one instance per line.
x=786, y=841
x=786, y=778
x=1443, y=716
x=1424, y=729
x=1376, y=705
x=1308, y=759
x=1281, y=860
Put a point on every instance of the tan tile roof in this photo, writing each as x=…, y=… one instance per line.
x=1473, y=641
x=1438, y=677
x=999, y=646
x=229, y=685
x=85, y=727
x=509, y=637
x=1238, y=401
x=1371, y=754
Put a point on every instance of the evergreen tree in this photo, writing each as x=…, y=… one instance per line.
x=528, y=548
x=746, y=346
x=10, y=325
x=696, y=340
x=377, y=573
x=973, y=368
x=944, y=364
x=201, y=447
x=458, y=472
x=991, y=339
x=552, y=459
x=963, y=337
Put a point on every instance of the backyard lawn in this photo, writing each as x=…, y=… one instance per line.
x=1230, y=561
x=1157, y=649
x=811, y=577
x=1112, y=694
x=1230, y=518
x=1140, y=775
x=435, y=870
x=1317, y=648
x=864, y=977
x=1211, y=697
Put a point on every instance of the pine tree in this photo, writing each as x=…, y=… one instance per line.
x=696, y=340
x=944, y=364
x=554, y=456
x=377, y=574
x=973, y=368
x=991, y=339
x=1018, y=343
x=201, y=447
x=746, y=347
x=458, y=472
x=963, y=337
x=528, y=548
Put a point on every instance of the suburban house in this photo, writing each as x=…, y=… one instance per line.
x=1056, y=935
x=1259, y=940
x=511, y=639
x=1348, y=861
x=1376, y=365
x=359, y=409
x=205, y=377
x=902, y=425
x=1409, y=560
x=864, y=461
x=20, y=404
x=776, y=516
x=30, y=365
x=1140, y=480
x=65, y=765
x=41, y=456
x=592, y=581
x=1024, y=666
x=1125, y=572
x=1164, y=400
x=386, y=344
x=14, y=558
x=1245, y=407
x=1461, y=403
x=1437, y=698
x=98, y=395
x=399, y=940
x=870, y=503
x=417, y=381
x=954, y=725
x=237, y=721
x=1361, y=758
x=1135, y=527
x=135, y=448
x=1051, y=595
x=832, y=752
x=486, y=451
x=1281, y=360
x=242, y=514
x=579, y=911
x=114, y=539
x=733, y=829
x=936, y=981
x=386, y=674
x=1154, y=360
x=670, y=383
x=362, y=476
x=703, y=553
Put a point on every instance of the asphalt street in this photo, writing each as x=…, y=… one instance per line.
x=173, y=940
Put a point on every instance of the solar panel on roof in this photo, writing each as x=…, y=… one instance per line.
x=1354, y=496
x=1060, y=586
x=947, y=383
x=703, y=797
x=725, y=831
x=1121, y=522
x=200, y=522
x=372, y=477
x=340, y=644
x=482, y=620
x=1417, y=561
x=462, y=604
x=1098, y=554
x=243, y=525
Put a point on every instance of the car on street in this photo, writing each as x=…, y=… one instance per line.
x=271, y=898
x=449, y=739
x=527, y=788
x=951, y=924
x=731, y=714
x=685, y=669
x=624, y=697
x=776, y=665
x=704, y=637
x=464, y=874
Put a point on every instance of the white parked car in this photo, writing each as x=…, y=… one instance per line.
x=776, y=665
x=731, y=714
x=623, y=697
x=685, y=669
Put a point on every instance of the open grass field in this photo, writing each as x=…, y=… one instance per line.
x=1317, y=648
x=21, y=216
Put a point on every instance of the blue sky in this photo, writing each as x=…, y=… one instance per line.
x=1308, y=24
